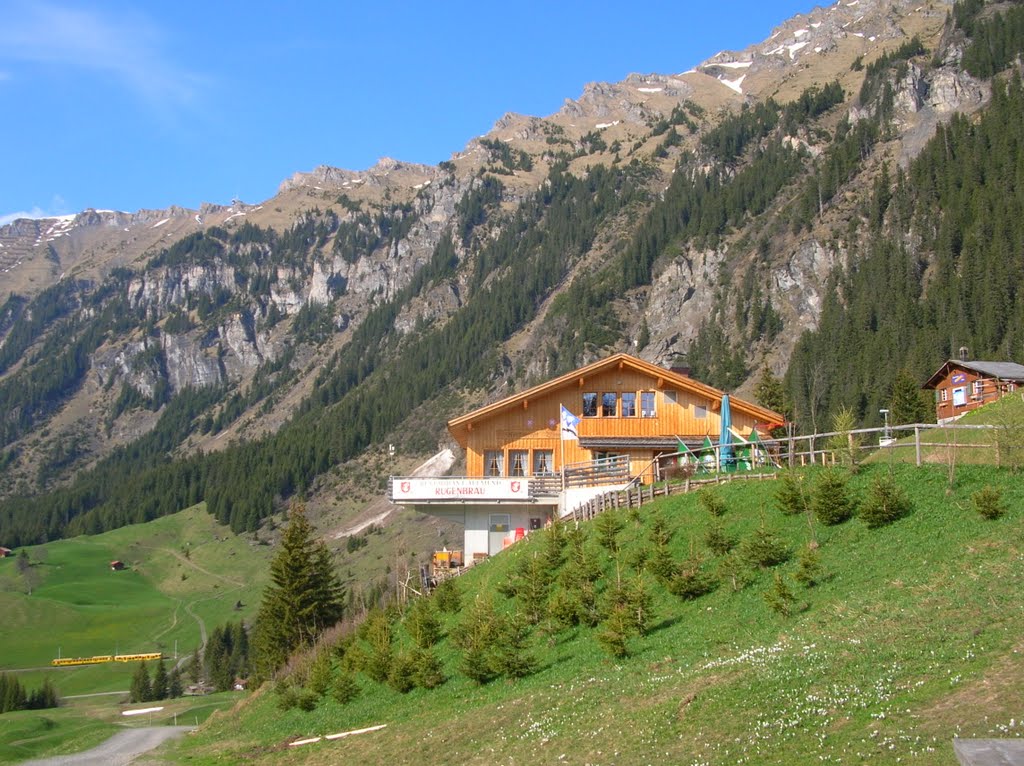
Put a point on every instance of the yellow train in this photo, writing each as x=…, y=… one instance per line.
x=101, y=658
x=82, y=660
x=138, y=657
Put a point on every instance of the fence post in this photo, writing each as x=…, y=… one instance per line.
x=917, y=445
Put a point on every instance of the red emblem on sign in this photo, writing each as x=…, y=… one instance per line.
x=515, y=486
x=406, y=486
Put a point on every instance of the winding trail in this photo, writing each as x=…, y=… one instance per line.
x=120, y=750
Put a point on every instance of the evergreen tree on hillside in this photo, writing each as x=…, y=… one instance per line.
x=769, y=392
x=907, y=402
x=141, y=689
x=304, y=596
x=160, y=683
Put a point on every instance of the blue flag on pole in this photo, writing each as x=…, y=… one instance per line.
x=569, y=424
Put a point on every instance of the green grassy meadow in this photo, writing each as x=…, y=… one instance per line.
x=180, y=569
x=914, y=637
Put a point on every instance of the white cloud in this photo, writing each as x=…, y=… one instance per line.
x=58, y=206
x=35, y=212
x=124, y=47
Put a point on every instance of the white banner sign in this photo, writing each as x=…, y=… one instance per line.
x=460, y=489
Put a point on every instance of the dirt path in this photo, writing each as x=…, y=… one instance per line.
x=188, y=561
x=119, y=750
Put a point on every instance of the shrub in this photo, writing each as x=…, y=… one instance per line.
x=447, y=597
x=423, y=625
x=780, y=598
x=320, y=674
x=711, y=501
x=661, y=564
x=790, y=494
x=608, y=525
x=344, y=689
x=764, y=549
x=617, y=628
x=885, y=503
x=427, y=673
x=734, y=571
x=831, y=501
x=845, y=444
x=306, y=700
x=809, y=572
x=287, y=697
x=718, y=540
x=988, y=502
x=400, y=676
x=692, y=581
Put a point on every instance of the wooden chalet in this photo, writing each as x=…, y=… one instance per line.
x=521, y=471
x=5, y=552
x=961, y=385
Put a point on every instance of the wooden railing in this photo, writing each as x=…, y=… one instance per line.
x=638, y=495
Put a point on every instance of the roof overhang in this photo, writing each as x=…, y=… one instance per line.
x=461, y=426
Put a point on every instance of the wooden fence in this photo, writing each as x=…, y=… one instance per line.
x=638, y=495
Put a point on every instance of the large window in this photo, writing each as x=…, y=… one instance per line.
x=609, y=405
x=494, y=463
x=517, y=462
x=628, y=404
x=543, y=462
x=647, y=404
x=590, y=405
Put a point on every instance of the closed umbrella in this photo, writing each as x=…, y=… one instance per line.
x=725, y=453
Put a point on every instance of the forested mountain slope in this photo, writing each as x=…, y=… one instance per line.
x=801, y=205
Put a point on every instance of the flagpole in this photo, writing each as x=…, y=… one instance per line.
x=561, y=445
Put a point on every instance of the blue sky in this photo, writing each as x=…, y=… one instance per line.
x=126, y=105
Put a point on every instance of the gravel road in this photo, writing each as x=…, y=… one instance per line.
x=119, y=750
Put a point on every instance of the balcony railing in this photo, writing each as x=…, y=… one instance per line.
x=454, y=489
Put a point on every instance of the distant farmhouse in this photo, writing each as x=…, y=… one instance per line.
x=5, y=552
x=116, y=565
x=961, y=385
x=552, y=447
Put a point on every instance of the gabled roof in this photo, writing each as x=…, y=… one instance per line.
x=665, y=379
x=1000, y=370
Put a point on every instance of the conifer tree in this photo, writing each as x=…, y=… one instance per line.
x=174, y=687
x=303, y=598
x=160, y=682
x=422, y=624
x=831, y=501
x=907, y=403
x=141, y=690
x=886, y=502
x=790, y=495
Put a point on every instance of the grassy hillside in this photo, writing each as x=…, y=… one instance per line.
x=182, y=570
x=953, y=447
x=912, y=638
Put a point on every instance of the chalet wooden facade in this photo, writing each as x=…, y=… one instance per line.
x=961, y=386
x=626, y=406
x=625, y=412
